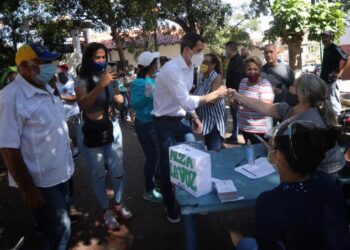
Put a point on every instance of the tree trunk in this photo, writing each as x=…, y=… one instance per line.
x=294, y=51
x=13, y=36
x=119, y=47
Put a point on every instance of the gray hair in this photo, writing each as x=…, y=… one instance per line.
x=316, y=92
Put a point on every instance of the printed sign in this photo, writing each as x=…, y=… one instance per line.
x=190, y=169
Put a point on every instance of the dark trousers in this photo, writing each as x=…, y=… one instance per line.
x=53, y=217
x=234, y=111
x=213, y=140
x=250, y=136
x=169, y=133
x=148, y=139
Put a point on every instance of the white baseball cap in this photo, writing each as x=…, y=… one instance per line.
x=145, y=58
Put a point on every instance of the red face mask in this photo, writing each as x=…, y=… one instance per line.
x=253, y=78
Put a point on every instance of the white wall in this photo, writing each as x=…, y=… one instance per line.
x=171, y=51
x=345, y=39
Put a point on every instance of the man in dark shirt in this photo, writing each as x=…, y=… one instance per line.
x=280, y=75
x=234, y=75
x=331, y=71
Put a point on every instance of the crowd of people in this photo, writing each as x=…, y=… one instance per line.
x=48, y=117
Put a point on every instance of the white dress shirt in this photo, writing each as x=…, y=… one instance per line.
x=172, y=96
x=33, y=121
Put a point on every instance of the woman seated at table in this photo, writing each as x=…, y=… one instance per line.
x=250, y=121
x=306, y=100
x=307, y=210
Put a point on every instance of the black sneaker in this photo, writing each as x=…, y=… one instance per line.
x=74, y=218
x=231, y=140
x=38, y=229
x=173, y=215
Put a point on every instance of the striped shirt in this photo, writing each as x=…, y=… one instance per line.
x=249, y=120
x=211, y=115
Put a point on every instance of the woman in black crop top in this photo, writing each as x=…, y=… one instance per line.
x=91, y=89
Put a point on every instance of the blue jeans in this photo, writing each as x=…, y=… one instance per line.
x=234, y=111
x=213, y=140
x=96, y=160
x=53, y=217
x=247, y=243
x=148, y=139
x=169, y=133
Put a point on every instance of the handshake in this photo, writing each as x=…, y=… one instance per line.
x=222, y=92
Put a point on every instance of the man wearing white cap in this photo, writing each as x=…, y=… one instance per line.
x=142, y=92
x=331, y=71
x=35, y=144
x=171, y=103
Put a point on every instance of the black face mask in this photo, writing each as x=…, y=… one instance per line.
x=62, y=77
x=292, y=99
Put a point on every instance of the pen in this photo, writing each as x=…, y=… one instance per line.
x=239, y=163
x=249, y=171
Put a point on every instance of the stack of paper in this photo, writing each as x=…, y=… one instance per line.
x=260, y=169
x=227, y=190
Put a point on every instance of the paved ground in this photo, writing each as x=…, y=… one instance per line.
x=149, y=226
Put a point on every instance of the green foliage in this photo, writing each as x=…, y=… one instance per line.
x=326, y=16
x=195, y=15
x=291, y=19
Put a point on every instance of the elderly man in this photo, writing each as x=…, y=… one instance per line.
x=280, y=75
x=331, y=71
x=34, y=142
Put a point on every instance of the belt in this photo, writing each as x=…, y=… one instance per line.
x=167, y=118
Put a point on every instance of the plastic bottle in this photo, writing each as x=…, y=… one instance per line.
x=250, y=153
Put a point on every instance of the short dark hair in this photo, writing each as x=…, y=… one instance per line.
x=232, y=45
x=190, y=40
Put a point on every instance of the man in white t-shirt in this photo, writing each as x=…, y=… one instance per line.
x=65, y=85
x=35, y=144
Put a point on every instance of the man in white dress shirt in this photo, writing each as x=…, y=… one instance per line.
x=35, y=145
x=171, y=103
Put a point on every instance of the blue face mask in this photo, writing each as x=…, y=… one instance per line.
x=47, y=72
x=99, y=66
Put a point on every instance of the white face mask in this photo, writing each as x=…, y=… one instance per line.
x=197, y=59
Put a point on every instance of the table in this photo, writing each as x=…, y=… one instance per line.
x=223, y=163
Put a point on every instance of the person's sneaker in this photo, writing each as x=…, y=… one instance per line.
x=38, y=229
x=153, y=196
x=74, y=218
x=110, y=219
x=231, y=140
x=123, y=211
x=173, y=215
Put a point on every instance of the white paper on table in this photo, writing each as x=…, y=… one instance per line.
x=260, y=169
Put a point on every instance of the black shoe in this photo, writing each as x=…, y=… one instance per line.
x=231, y=140
x=74, y=218
x=173, y=215
x=38, y=229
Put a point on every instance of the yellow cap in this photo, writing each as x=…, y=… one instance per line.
x=25, y=53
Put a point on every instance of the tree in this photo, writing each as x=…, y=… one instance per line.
x=290, y=20
x=294, y=18
x=19, y=18
x=192, y=15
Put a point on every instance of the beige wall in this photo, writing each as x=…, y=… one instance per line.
x=171, y=51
